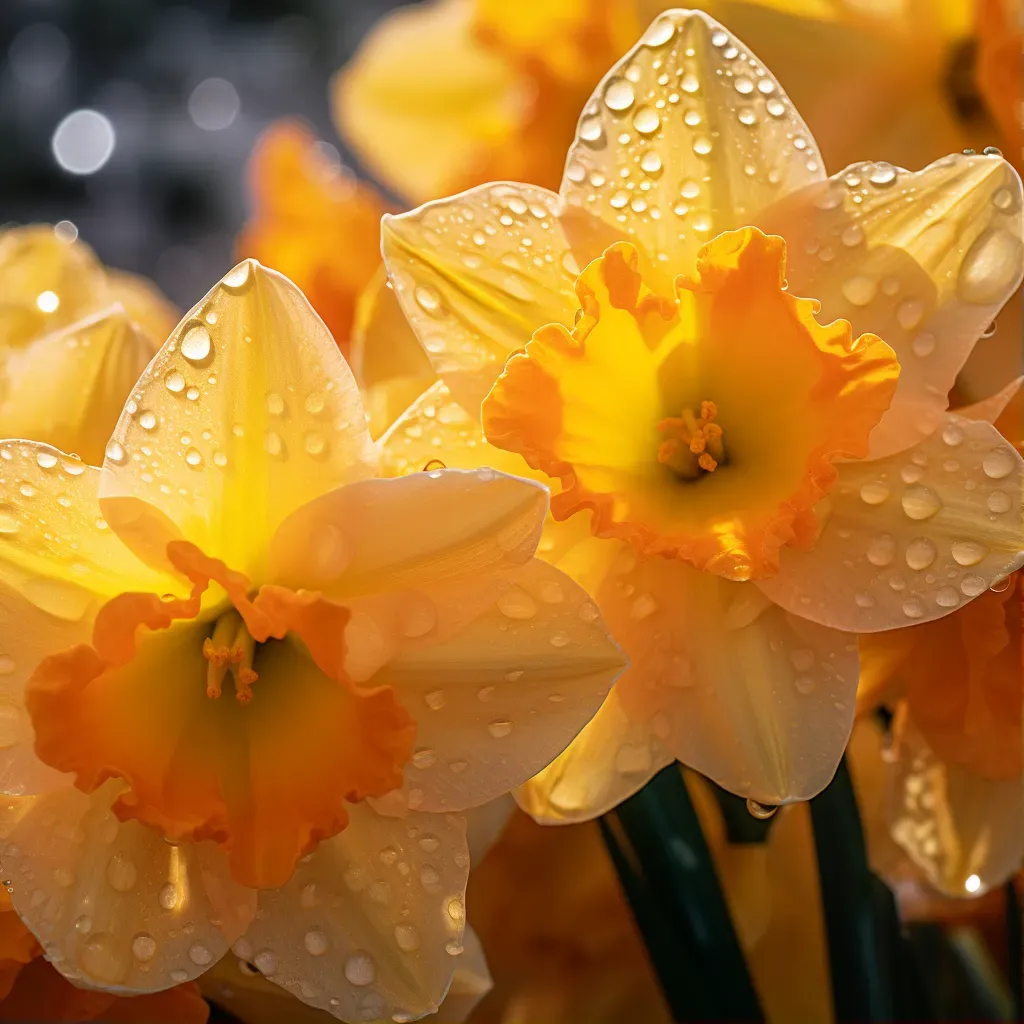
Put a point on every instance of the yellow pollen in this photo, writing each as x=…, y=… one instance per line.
x=692, y=445
x=230, y=649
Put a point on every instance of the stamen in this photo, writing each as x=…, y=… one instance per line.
x=693, y=445
x=230, y=649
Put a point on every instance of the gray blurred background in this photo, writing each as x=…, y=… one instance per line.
x=156, y=183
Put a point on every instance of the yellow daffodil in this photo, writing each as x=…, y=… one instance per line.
x=741, y=487
x=74, y=337
x=248, y=685
x=303, y=203
x=448, y=94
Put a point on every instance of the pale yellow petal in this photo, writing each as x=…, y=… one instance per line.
x=470, y=982
x=68, y=387
x=503, y=696
x=911, y=537
x=611, y=759
x=385, y=535
x=112, y=903
x=687, y=136
x=924, y=260
x=760, y=701
x=477, y=274
x=964, y=831
x=371, y=925
x=248, y=412
x=435, y=428
x=422, y=100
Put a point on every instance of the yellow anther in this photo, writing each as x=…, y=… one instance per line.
x=693, y=445
x=230, y=649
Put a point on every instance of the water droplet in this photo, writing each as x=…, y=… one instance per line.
x=147, y=421
x=874, y=492
x=143, y=947
x=103, y=959
x=853, y=234
x=920, y=502
x=689, y=83
x=968, y=552
x=558, y=639
x=266, y=962
x=196, y=345
x=46, y=460
x=643, y=607
x=882, y=175
x=316, y=943
x=952, y=434
x=121, y=872
x=775, y=107
x=660, y=32
x=1002, y=199
x=997, y=464
x=427, y=299
x=275, y=404
x=882, y=550
x=859, y=290
x=909, y=313
x=804, y=685
x=646, y=121
x=923, y=345
x=434, y=700
x=192, y=394
x=802, y=659
x=314, y=403
x=200, y=955
x=238, y=277
x=973, y=585
x=407, y=938
x=194, y=457
x=947, y=597
x=702, y=145
x=863, y=600
x=175, y=382
x=591, y=130
x=423, y=758
x=499, y=728
x=760, y=811
x=999, y=501
x=989, y=268
x=115, y=452
x=619, y=95
x=921, y=552
x=588, y=612
x=360, y=969
x=315, y=443
x=272, y=443
x=913, y=608
x=515, y=603
x=650, y=162
x=168, y=896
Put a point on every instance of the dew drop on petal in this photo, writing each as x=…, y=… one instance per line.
x=360, y=969
x=920, y=502
x=760, y=811
x=874, y=492
x=500, y=728
x=196, y=344
x=315, y=942
x=997, y=464
x=968, y=552
x=972, y=585
x=921, y=552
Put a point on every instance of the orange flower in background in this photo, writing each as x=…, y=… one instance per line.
x=686, y=408
x=444, y=95
x=312, y=221
x=1000, y=44
x=74, y=337
x=257, y=684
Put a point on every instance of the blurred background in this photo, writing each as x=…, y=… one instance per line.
x=133, y=119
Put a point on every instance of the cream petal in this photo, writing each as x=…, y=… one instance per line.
x=370, y=926
x=114, y=905
x=246, y=413
x=470, y=982
x=911, y=537
x=925, y=260
x=67, y=388
x=964, y=831
x=687, y=136
x=610, y=760
x=506, y=694
x=435, y=428
x=476, y=275
x=991, y=408
x=760, y=701
x=386, y=535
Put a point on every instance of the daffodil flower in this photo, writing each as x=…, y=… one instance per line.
x=74, y=337
x=248, y=685
x=742, y=486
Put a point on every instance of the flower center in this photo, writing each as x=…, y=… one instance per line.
x=230, y=649
x=693, y=445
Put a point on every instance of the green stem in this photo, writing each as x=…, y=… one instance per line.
x=667, y=872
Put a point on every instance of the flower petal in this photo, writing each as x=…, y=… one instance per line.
x=506, y=694
x=964, y=831
x=386, y=535
x=910, y=537
x=370, y=926
x=925, y=260
x=113, y=904
x=991, y=408
x=759, y=701
x=423, y=99
x=476, y=274
x=246, y=413
x=687, y=136
x=68, y=387
x=610, y=760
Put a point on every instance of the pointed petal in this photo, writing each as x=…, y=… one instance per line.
x=370, y=926
x=610, y=760
x=687, y=136
x=68, y=387
x=924, y=260
x=506, y=694
x=112, y=902
x=964, y=831
x=150, y=311
x=435, y=428
x=477, y=274
x=759, y=701
x=246, y=413
x=910, y=537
